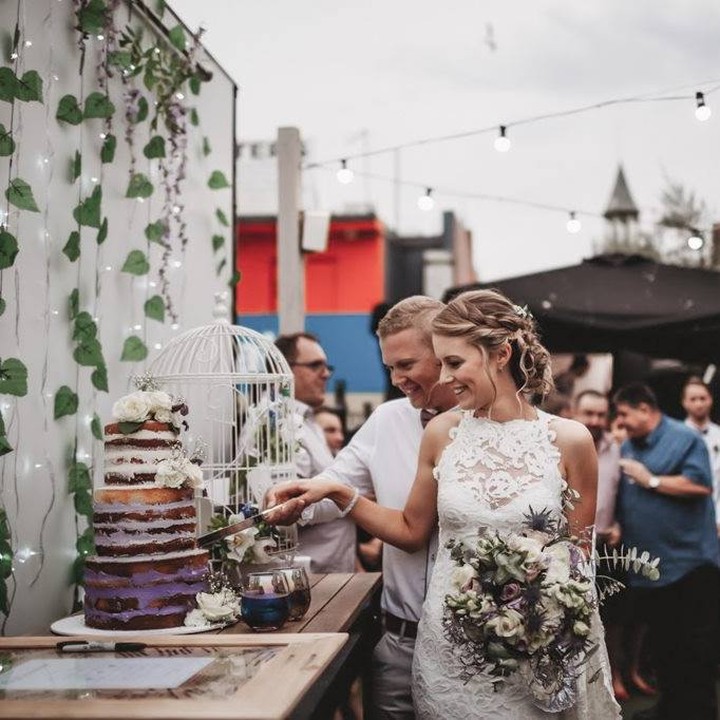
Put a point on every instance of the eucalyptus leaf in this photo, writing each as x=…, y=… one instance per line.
x=155, y=148
x=218, y=181
x=134, y=349
x=76, y=166
x=79, y=477
x=217, y=242
x=103, y=232
x=136, y=263
x=177, y=38
x=154, y=232
x=5, y=446
x=88, y=353
x=8, y=249
x=20, y=194
x=155, y=308
x=194, y=84
x=74, y=303
x=13, y=377
x=143, y=110
x=88, y=211
x=194, y=119
x=99, y=378
x=206, y=147
x=69, y=111
x=127, y=427
x=2, y=306
x=96, y=427
x=98, y=105
x=82, y=500
x=107, y=153
x=222, y=218
x=7, y=144
x=84, y=327
x=139, y=186
x=8, y=84
x=72, y=246
x=29, y=87
x=66, y=402
x=91, y=17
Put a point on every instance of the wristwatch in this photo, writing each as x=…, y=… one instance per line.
x=654, y=482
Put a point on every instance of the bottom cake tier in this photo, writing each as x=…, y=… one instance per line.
x=143, y=592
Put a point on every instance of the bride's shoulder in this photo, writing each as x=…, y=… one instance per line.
x=570, y=434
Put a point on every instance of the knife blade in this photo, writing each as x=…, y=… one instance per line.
x=212, y=537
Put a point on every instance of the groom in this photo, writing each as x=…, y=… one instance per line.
x=381, y=461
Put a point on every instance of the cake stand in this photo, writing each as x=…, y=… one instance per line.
x=75, y=625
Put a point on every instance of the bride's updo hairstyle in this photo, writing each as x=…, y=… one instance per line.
x=488, y=320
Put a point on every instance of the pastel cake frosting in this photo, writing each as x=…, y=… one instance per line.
x=148, y=568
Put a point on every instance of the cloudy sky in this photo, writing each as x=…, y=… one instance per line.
x=357, y=75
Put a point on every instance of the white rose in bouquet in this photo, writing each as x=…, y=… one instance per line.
x=462, y=576
x=507, y=624
x=135, y=407
x=558, y=571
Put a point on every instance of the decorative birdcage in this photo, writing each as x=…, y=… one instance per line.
x=238, y=388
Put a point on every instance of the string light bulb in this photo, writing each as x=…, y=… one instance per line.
x=502, y=141
x=573, y=224
x=426, y=202
x=702, y=111
x=345, y=175
x=695, y=241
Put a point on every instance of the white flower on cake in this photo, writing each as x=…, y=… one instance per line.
x=177, y=472
x=221, y=606
x=135, y=407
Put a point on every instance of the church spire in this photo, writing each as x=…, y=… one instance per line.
x=621, y=205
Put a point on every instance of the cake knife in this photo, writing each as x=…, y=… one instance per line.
x=212, y=537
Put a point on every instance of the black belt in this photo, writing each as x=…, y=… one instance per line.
x=399, y=626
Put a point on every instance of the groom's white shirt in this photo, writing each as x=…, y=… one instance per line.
x=381, y=460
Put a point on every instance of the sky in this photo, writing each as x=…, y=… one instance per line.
x=358, y=76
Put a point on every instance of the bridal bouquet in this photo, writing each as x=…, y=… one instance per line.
x=523, y=602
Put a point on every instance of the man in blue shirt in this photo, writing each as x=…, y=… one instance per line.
x=665, y=507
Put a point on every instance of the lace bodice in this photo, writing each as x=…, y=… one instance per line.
x=489, y=476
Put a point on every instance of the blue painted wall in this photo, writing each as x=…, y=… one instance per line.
x=350, y=345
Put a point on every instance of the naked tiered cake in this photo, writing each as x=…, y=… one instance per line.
x=148, y=567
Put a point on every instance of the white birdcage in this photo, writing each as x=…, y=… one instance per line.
x=238, y=388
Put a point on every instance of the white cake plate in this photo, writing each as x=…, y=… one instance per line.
x=75, y=625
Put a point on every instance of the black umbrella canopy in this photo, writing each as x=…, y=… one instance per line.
x=617, y=302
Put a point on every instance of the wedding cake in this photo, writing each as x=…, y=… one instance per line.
x=148, y=568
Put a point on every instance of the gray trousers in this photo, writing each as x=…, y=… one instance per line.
x=390, y=691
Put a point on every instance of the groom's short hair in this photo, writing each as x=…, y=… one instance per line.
x=416, y=312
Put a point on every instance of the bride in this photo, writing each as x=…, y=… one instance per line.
x=483, y=465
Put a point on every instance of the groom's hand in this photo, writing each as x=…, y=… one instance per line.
x=287, y=495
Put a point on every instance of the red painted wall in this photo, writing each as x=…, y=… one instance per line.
x=348, y=278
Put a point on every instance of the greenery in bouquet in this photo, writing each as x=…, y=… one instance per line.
x=524, y=602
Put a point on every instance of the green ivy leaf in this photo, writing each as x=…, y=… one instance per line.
x=74, y=303
x=128, y=428
x=134, y=349
x=217, y=242
x=103, y=232
x=99, y=378
x=13, y=378
x=88, y=353
x=194, y=119
x=2, y=306
x=82, y=501
x=136, y=263
x=154, y=232
x=85, y=544
x=222, y=218
x=107, y=153
x=143, y=110
x=77, y=574
x=235, y=279
x=4, y=607
x=79, y=477
x=6, y=557
x=218, y=181
x=84, y=328
x=20, y=195
x=206, y=147
x=194, y=84
x=29, y=87
x=121, y=59
x=98, y=105
x=221, y=266
x=5, y=446
x=4, y=524
x=8, y=249
x=139, y=186
x=69, y=111
x=96, y=427
x=8, y=84
x=7, y=144
x=76, y=167
x=88, y=211
x=72, y=246
x=177, y=38
x=155, y=148
x=66, y=402
x=160, y=7
x=155, y=308
x=91, y=17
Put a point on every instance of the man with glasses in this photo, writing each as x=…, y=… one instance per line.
x=331, y=545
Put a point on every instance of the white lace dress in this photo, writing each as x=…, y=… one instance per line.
x=489, y=475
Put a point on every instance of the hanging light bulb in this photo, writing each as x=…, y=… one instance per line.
x=426, y=202
x=573, y=224
x=345, y=175
x=702, y=111
x=502, y=142
x=695, y=241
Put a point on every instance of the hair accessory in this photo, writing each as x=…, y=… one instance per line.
x=523, y=311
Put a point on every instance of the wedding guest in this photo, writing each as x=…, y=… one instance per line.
x=697, y=402
x=331, y=547
x=666, y=508
x=329, y=420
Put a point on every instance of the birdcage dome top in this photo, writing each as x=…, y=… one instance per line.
x=220, y=351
